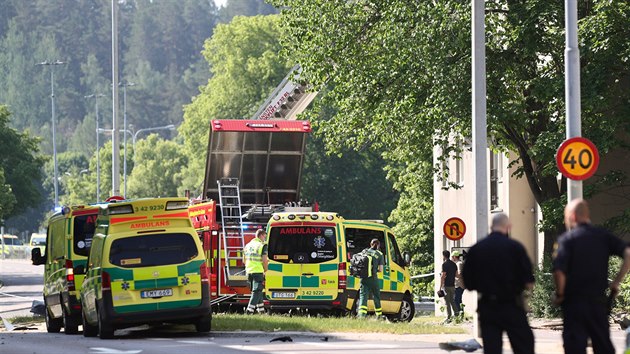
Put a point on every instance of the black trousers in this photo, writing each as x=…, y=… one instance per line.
x=583, y=319
x=496, y=318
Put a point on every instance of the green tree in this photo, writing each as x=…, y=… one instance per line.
x=246, y=65
x=157, y=172
x=400, y=75
x=20, y=168
x=7, y=198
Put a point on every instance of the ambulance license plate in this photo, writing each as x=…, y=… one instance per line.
x=283, y=295
x=156, y=293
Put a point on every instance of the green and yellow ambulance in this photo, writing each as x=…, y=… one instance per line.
x=67, y=244
x=146, y=265
x=309, y=256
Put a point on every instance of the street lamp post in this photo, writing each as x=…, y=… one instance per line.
x=96, y=96
x=54, y=141
x=135, y=135
x=124, y=85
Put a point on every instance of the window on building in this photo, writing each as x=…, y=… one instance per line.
x=494, y=180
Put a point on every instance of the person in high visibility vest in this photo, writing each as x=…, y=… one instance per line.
x=371, y=283
x=256, y=263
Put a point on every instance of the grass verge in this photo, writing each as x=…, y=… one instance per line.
x=274, y=323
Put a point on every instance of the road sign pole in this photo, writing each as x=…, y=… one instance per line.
x=572, y=86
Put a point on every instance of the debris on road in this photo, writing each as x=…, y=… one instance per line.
x=468, y=346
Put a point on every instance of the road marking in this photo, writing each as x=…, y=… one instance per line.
x=353, y=345
x=193, y=342
x=101, y=350
x=244, y=347
x=19, y=297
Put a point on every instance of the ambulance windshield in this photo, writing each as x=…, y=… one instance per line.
x=152, y=250
x=302, y=244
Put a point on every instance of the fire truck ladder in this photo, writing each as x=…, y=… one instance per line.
x=231, y=224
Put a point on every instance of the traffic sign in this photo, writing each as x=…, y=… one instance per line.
x=577, y=158
x=454, y=229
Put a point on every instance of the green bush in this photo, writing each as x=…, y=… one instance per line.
x=540, y=302
x=622, y=303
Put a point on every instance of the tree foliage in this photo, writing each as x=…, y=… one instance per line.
x=246, y=65
x=157, y=170
x=20, y=168
x=400, y=75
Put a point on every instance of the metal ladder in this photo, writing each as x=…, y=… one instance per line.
x=232, y=236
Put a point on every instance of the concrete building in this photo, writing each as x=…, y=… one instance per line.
x=512, y=196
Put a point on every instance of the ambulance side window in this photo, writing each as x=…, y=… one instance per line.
x=393, y=247
x=58, y=237
x=359, y=239
x=96, y=253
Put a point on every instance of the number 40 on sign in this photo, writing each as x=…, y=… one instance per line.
x=577, y=158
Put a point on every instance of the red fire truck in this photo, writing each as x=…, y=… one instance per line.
x=253, y=170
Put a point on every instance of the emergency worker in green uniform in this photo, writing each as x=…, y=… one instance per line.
x=256, y=262
x=371, y=283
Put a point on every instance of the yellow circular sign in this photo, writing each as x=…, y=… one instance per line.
x=454, y=229
x=577, y=158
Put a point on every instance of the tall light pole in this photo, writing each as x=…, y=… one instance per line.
x=135, y=135
x=96, y=96
x=115, y=135
x=572, y=86
x=124, y=85
x=52, y=64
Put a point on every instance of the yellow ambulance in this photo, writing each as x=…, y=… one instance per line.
x=309, y=256
x=146, y=265
x=67, y=244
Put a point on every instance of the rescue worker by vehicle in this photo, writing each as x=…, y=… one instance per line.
x=256, y=263
x=370, y=285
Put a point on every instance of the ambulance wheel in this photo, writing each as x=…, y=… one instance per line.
x=70, y=324
x=105, y=330
x=53, y=325
x=88, y=329
x=204, y=324
x=407, y=310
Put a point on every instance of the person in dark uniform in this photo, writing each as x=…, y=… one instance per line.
x=447, y=283
x=500, y=270
x=580, y=269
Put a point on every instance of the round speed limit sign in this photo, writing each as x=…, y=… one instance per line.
x=577, y=158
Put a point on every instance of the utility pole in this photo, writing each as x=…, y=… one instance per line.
x=52, y=64
x=115, y=133
x=479, y=125
x=124, y=85
x=96, y=96
x=572, y=86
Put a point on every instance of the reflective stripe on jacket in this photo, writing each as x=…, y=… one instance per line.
x=253, y=256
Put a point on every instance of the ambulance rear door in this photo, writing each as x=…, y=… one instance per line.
x=304, y=261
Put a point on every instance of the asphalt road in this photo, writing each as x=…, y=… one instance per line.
x=23, y=284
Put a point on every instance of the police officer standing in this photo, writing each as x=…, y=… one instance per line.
x=580, y=273
x=256, y=262
x=499, y=268
x=370, y=285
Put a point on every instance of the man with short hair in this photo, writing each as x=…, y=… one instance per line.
x=459, y=283
x=499, y=268
x=580, y=269
x=447, y=283
x=256, y=263
x=370, y=285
